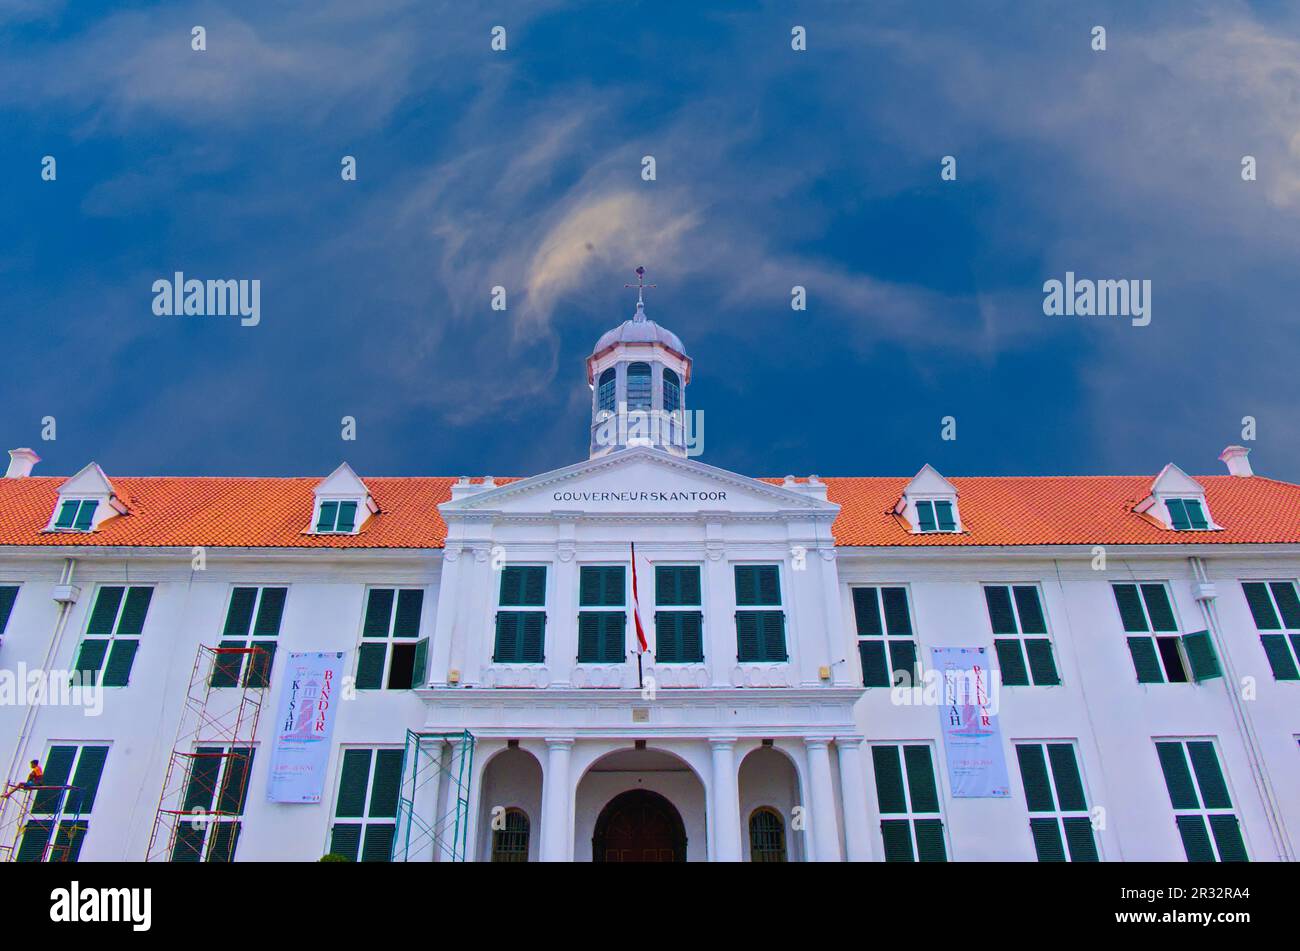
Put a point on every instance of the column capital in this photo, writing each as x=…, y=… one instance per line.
x=559, y=742
x=723, y=742
x=817, y=742
x=852, y=740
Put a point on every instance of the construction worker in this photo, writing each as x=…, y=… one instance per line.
x=34, y=779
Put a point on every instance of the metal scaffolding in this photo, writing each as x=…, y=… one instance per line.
x=38, y=829
x=208, y=771
x=436, y=768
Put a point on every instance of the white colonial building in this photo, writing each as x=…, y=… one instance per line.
x=475, y=643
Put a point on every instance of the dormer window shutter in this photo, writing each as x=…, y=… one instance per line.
x=943, y=512
x=347, y=516
x=328, y=516
x=925, y=516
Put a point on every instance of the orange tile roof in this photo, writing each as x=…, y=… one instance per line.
x=1012, y=510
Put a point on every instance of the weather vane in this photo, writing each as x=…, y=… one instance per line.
x=640, y=286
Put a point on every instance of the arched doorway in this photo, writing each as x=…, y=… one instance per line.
x=639, y=826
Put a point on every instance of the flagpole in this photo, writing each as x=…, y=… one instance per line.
x=636, y=620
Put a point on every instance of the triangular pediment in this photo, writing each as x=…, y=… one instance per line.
x=640, y=481
x=1174, y=481
x=342, y=482
x=89, y=482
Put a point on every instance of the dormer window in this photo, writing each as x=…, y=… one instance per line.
x=337, y=518
x=935, y=516
x=76, y=515
x=1186, y=514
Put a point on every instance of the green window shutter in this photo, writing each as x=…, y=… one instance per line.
x=67, y=841
x=1145, y=661
x=227, y=667
x=121, y=657
x=329, y=512
x=1178, y=514
x=691, y=627
x=1279, y=658
x=925, y=515
x=898, y=620
x=1227, y=836
x=929, y=840
x=902, y=658
x=67, y=514
x=91, y=657
x=36, y=836
x=613, y=637
x=1201, y=655
x=1011, y=661
x=235, y=780
x=420, y=671
x=1195, y=514
x=270, y=612
x=1196, y=841
x=747, y=584
x=535, y=586
x=387, y=784
x=667, y=585
x=614, y=586
x=1041, y=662
x=347, y=516
x=354, y=774
x=875, y=672
x=410, y=605
x=379, y=613
x=506, y=648
x=523, y=586
x=345, y=839
x=888, y=768
x=668, y=636
x=533, y=637
x=688, y=581
x=747, y=636
x=201, y=783
x=943, y=515
x=920, y=779
x=239, y=616
x=107, y=601
x=512, y=586
x=1033, y=773
x=1288, y=602
x=8, y=594
x=1069, y=783
x=602, y=586
x=897, y=835
x=85, y=515
x=131, y=624
x=1083, y=845
x=1209, y=777
x=378, y=844
x=225, y=837
x=1158, y=607
x=1001, y=617
x=1178, y=778
x=57, y=768
x=188, y=846
x=866, y=612
x=85, y=781
x=1031, y=610
x=370, y=666
x=773, y=634
x=1261, y=608
x=1047, y=840
x=260, y=663
x=588, y=637
x=769, y=584
x=1130, y=608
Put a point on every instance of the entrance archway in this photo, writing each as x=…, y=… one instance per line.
x=639, y=826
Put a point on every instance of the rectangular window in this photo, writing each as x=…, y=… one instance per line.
x=760, y=622
x=521, y=620
x=602, y=624
x=113, y=634
x=935, y=517
x=1186, y=514
x=1201, y=802
x=252, y=621
x=216, y=791
x=1162, y=656
x=1020, y=636
x=911, y=823
x=885, y=642
x=76, y=515
x=370, y=782
x=1058, y=807
x=8, y=595
x=1276, y=610
x=679, y=615
x=391, y=657
x=59, y=814
x=337, y=518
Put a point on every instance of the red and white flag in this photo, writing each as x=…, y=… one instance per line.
x=641, y=645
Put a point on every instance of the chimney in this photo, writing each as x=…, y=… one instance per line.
x=1234, y=457
x=21, y=463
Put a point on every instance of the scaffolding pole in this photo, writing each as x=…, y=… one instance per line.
x=436, y=767
x=55, y=846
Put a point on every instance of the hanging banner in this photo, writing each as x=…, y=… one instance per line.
x=977, y=766
x=304, y=725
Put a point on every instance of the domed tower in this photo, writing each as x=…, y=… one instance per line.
x=638, y=375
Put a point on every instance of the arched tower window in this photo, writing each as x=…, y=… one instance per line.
x=511, y=843
x=638, y=386
x=672, y=391
x=605, y=390
x=766, y=836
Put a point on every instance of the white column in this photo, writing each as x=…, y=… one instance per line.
x=557, y=828
x=825, y=826
x=853, y=790
x=726, y=801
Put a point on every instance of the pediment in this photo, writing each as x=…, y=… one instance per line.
x=640, y=481
x=342, y=482
x=89, y=482
x=1174, y=481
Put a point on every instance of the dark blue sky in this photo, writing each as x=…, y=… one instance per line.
x=775, y=168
